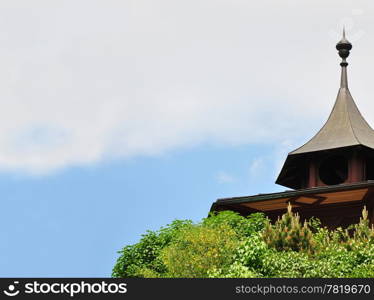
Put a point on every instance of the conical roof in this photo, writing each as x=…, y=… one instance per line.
x=345, y=126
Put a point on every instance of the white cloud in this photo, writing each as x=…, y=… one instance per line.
x=256, y=167
x=84, y=81
x=224, y=177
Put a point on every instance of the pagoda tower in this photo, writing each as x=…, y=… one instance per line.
x=342, y=151
x=332, y=175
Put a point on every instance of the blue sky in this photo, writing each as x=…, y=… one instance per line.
x=120, y=116
x=72, y=223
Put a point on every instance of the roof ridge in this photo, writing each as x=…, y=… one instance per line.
x=361, y=119
x=349, y=114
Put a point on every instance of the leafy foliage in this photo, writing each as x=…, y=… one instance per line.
x=198, y=249
x=244, y=227
x=228, y=245
x=143, y=259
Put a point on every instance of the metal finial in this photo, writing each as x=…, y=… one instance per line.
x=344, y=46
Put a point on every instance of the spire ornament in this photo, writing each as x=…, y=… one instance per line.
x=343, y=46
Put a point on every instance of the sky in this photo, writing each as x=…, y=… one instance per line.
x=117, y=117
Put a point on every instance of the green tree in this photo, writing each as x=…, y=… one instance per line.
x=143, y=259
x=199, y=249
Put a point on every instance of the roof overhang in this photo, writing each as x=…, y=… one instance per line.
x=343, y=194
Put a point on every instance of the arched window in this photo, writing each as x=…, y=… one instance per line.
x=333, y=170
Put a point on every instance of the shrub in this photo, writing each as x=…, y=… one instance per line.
x=235, y=270
x=244, y=227
x=363, y=271
x=199, y=249
x=143, y=259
